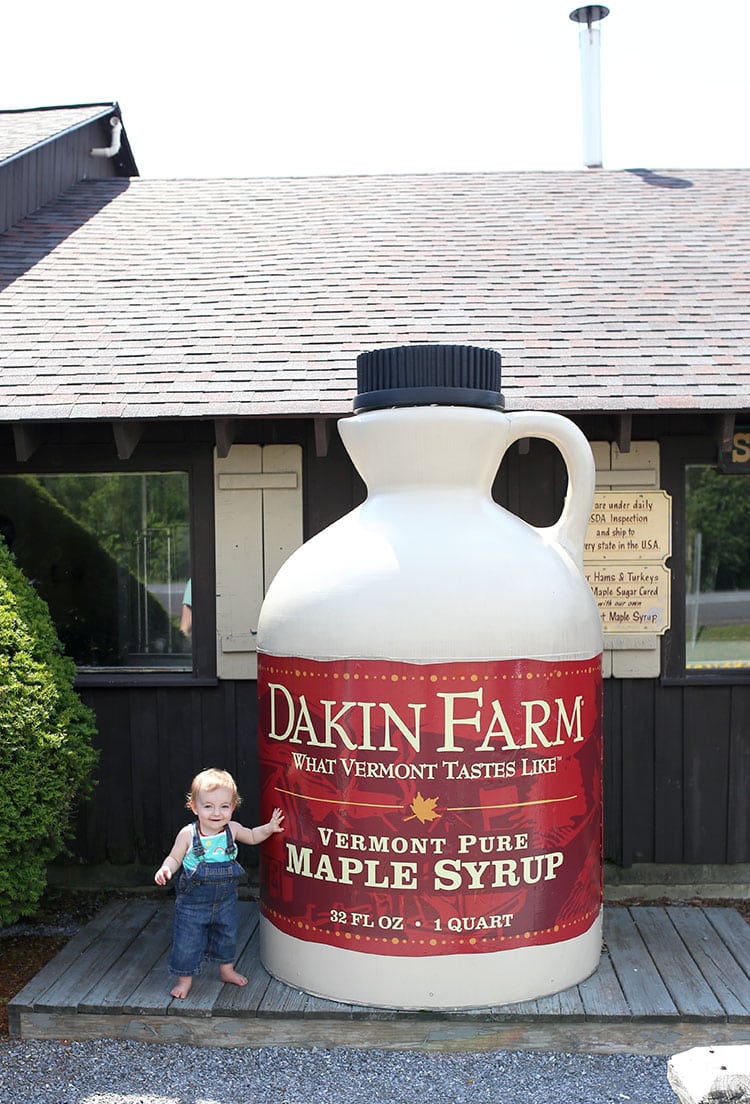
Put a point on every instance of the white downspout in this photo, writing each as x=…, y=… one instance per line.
x=114, y=147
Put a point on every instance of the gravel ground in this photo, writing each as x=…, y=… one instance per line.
x=113, y=1072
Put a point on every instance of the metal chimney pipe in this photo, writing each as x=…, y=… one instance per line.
x=589, y=41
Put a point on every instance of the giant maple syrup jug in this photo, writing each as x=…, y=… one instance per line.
x=430, y=712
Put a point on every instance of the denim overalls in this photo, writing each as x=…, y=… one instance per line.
x=205, y=916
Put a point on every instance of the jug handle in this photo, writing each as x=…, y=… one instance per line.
x=570, y=528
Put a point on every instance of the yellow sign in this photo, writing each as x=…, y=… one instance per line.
x=629, y=526
x=631, y=597
x=628, y=539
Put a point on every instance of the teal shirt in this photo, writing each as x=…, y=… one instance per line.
x=215, y=851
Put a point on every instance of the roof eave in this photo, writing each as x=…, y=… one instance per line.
x=125, y=159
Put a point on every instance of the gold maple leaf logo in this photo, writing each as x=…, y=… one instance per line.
x=423, y=809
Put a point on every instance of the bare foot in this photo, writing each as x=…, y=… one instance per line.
x=228, y=974
x=182, y=988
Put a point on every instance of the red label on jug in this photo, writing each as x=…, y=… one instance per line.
x=444, y=808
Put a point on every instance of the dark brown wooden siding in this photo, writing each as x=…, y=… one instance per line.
x=677, y=772
x=677, y=769
x=34, y=177
x=152, y=742
x=676, y=749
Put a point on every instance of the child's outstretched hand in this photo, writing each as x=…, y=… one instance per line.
x=162, y=875
x=276, y=821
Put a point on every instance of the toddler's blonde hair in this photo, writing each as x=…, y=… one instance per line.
x=212, y=779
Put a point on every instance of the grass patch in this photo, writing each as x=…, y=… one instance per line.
x=728, y=633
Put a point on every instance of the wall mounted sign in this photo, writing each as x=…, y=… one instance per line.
x=627, y=542
x=738, y=462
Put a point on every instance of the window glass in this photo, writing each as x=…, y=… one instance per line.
x=110, y=554
x=717, y=559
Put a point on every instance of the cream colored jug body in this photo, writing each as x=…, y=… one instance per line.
x=430, y=721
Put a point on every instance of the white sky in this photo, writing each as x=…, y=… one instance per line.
x=288, y=87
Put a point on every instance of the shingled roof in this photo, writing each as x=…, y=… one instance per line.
x=228, y=298
x=21, y=130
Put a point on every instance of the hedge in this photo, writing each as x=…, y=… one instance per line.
x=46, y=744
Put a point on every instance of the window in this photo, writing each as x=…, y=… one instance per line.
x=717, y=569
x=110, y=554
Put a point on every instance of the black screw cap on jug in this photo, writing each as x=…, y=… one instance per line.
x=428, y=375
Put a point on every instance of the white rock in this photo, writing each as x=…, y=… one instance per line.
x=711, y=1075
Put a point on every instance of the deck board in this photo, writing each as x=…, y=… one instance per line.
x=245, y=1001
x=151, y=996
x=566, y=1003
x=716, y=959
x=70, y=988
x=74, y=949
x=732, y=929
x=678, y=970
x=280, y=1000
x=324, y=1009
x=602, y=995
x=669, y=978
x=639, y=979
x=117, y=984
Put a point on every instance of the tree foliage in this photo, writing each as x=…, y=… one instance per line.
x=718, y=507
x=46, y=743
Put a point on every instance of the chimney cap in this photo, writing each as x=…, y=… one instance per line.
x=589, y=14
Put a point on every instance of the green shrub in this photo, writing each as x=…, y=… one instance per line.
x=46, y=751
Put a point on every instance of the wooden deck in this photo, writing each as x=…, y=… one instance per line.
x=670, y=978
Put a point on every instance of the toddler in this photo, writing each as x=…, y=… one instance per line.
x=205, y=918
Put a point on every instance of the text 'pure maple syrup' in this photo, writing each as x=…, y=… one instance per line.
x=430, y=704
